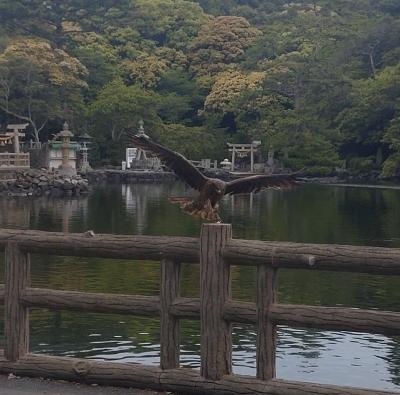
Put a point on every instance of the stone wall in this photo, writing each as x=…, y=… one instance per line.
x=41, y=182
x=127, y=176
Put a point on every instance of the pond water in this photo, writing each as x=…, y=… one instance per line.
x=314, y=214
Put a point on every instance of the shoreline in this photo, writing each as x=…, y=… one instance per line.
x=371, y=186
x=34, y=183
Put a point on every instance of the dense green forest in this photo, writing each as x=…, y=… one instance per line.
x=318, y=82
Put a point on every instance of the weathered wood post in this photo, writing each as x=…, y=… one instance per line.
x=252, y=158
x=16, y=325
x=215, y=291
x=266, y=330
x=233, y=159
x=170, y=329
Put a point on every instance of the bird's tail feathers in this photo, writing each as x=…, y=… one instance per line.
x=179, y=199
x=194, y=208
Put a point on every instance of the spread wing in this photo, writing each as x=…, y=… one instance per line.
x=176, y=162
x=255, y=183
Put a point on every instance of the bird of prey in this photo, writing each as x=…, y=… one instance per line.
x=211, y=190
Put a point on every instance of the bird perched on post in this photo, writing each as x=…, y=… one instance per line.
x=211, y=190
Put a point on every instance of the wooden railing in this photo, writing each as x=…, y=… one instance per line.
x=31, y=145
x=146, y=164
x=215, y=250
x=205, y=164
x=8, y=160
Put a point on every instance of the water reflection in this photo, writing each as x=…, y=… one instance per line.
x=43, y=213
x=316, y=214
x=96, y=336
x=316, y=353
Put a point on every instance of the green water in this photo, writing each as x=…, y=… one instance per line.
x=317, y=214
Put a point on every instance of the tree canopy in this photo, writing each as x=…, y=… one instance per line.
x=318, y=82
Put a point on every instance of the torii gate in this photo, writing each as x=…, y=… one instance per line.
x=16, y=134
x=242, y=150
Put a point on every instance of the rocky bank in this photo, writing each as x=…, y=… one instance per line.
x=43, y=183
x=128, y=176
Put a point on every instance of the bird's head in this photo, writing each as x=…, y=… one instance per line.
x=219, y=188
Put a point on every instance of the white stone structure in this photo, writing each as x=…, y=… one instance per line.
x=55, y=156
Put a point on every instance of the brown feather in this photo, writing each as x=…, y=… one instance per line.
x=211, y=189
x=176, y=162
x=197, y=208
x=256, y=183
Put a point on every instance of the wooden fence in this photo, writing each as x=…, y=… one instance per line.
x=215, y=250
x=8, y=160
x=31, y=145
x=205, y=164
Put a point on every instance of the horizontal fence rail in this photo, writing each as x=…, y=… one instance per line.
x=360, y=259
x=182, y=380
x=13, y=160
x=330, y=257
x=215, y=251
x=88, y=244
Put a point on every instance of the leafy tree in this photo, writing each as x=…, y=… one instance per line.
x=145, y=70
x=390, y=6
x=119, y=108
x=293, y=136
x=182, y=97
x=373, y=106
x=173, y=23
x=314, y=80
x=391, y=167
x=365, y=51
x=307, y=148
x=220, y=43
x=53, y=20
x=38, y=83
x=228, y=86
x=180, y=82
x=100, y=64
x=194, y=142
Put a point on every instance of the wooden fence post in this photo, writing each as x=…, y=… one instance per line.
x=215, y=291
x=170, y=328
x=16, y=325
x=266, y=330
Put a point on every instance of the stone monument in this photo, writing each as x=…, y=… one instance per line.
x=65, y=135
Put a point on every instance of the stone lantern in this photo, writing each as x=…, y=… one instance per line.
x=136, y=157
x=226, y=164
x=84, y=140
x=65, y=135
x=141, y=131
